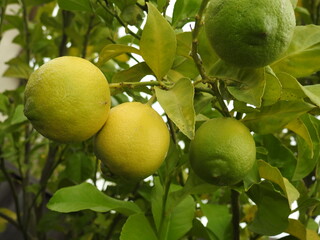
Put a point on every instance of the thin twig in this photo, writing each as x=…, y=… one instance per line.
x=123, y=85
x=87, y=36
x=114, y=14
x=235, y=214
x=2, y=15
x=10, y=220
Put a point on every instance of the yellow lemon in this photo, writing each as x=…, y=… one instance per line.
x=134, y=141
x=223, y=151
x=67, y=99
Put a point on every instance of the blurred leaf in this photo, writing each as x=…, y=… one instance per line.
x=132, y=14
x=207, y=54
x=296, y=229
x=219, y=220
x=18, y=115
x=3, y=222
x=246, y=85
x=79, y=167
x=86, y=196
x=184, y=42
x=18, y=69
x=298, y=127
x=272, y=90
x=277, y=154
x=271, y=217
x=274, y=175
x=307, y=159
x=156, y=202
x=137, y=227
x=75, y=5
x=177, y=102
x=184, y=11
x=274, y=118
x=158, y=43
x=302, y=57
x=113, y=50
x=4, y=102
x=133, y=74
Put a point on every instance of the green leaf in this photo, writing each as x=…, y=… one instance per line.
x=184, y=42
x=137, y=227
x=271, y=217
x=113, y=50
x=86, y=196
x=274, y=118
x=273, y=174
x=246, y=85
x=313, y=93
x=302, y=57
x=158, y=43
x=219, y=220
x=308, y=158
x=299, y=127
x=79, y=167
x=133, y=74
x=272, y=90
x=178, y=104
x=184, y=10
x=296, y=229
x=18, y=115
x=75, y=5
x=18, y=69
x=156, y=201
x=4, y=102
x=206, y=52
x=277, y=154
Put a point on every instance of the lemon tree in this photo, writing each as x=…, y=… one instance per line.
x=67, y=99
x=133, y=147
x=250, y=33
x=160, y=120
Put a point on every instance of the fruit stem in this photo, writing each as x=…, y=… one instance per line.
x=151, y=100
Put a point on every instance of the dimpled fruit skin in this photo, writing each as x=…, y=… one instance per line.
x=222, y=152
x=67, y=99
x=249, y=33
x=134, y=141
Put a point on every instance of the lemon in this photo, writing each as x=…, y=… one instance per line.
x=67, y=99
x=134, y=141
x=249, y=33
x=222, y=152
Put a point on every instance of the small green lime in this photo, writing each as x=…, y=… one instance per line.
x=223, y=151
x=249, y=33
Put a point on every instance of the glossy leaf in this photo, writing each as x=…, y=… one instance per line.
x=86, y=196
x=177, y=102
x=302, y=57
x=133, y=74
x=113, y=50
x=18, y=115
x=299, y=127
x=158, y=43
x=271, y=217
x=273, y=118
x=184, y=42
x=137, y=227
x=296, y=229
x=246, y=85
x=273, y=174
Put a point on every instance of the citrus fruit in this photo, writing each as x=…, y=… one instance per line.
x=67, y=99
x=249, y=33
x=222, y=151
x=133, y=142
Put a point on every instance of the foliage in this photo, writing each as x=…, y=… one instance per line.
x=144, y=52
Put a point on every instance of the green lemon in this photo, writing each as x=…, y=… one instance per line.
x=67, y=99
x=249, y=33
x=134, y=141
x=223, y=151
